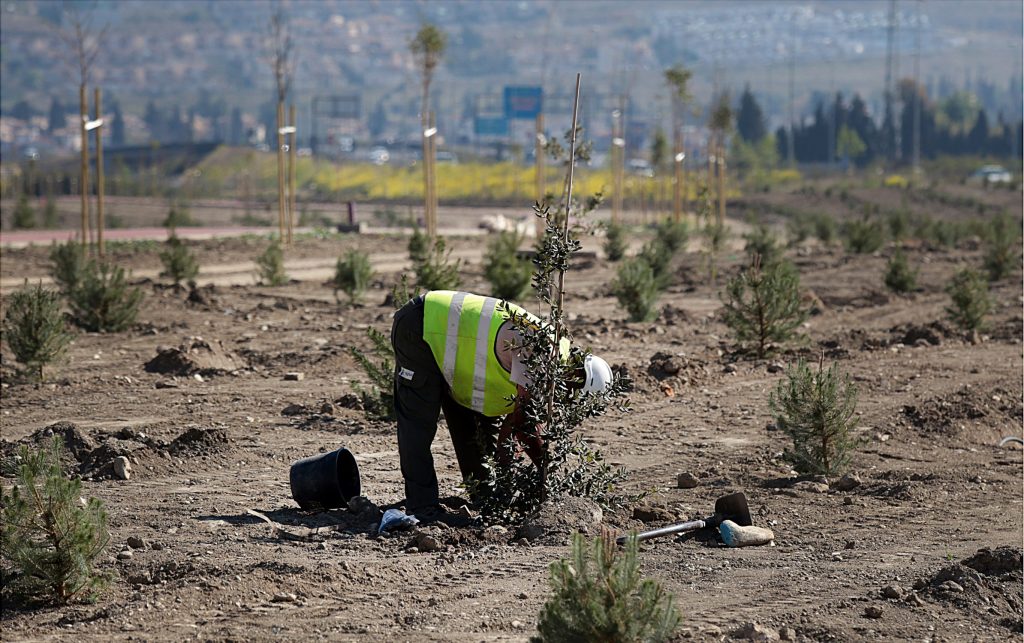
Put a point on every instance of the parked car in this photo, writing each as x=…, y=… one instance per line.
x=444, y=156
x=990, y=175
x=640, y=167
x=379, y=155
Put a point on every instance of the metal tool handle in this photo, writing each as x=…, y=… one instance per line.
x=665, y=531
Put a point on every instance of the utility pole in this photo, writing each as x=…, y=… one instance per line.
x=98, y=123
x=917, y=88
x=291, y=172
x=791, y=151
x=897, y=124
x=889, y=135
x=833, y=114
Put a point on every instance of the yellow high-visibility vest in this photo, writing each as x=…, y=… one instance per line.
x=462, y=330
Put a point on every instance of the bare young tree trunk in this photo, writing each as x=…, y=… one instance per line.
x=84, y=169
x=677, y=174
x=280, y=171
x=99, y=174
x=291, y=172
x=428, y=199
x=432, y=173
x=281, y=60
x=83, y=46
x=721, y=181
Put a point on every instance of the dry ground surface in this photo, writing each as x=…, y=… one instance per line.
x=934, y=486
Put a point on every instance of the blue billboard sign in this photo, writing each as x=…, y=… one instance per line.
x=523, y=102
x=490, y=126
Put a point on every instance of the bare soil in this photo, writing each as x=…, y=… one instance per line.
x=874, y=562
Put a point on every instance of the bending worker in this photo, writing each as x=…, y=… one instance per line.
x=457, y=352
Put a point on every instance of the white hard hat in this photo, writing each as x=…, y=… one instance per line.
x=598, y=374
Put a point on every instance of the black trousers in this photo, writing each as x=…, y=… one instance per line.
x=421, y=393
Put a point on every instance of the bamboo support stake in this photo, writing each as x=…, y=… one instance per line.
x=557, y=311
x=291, y=173
x=84, y=170
x=538, y=148
x=280, y=171
x=99, y=175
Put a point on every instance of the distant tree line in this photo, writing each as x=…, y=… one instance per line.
x=845, y=131
x=838, y=130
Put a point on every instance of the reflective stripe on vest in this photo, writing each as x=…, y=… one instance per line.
x=461, y=330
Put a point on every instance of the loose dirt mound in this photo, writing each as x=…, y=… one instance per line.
x=663, y=366
x=555, y=521
x=92, y=455
x=921, y=334
x=204, y=296
x=85, y=455
x=77, y=446
x=196, y=441
x=195, y=355
x=987, y=584
x=75, y=440
x=945, y=414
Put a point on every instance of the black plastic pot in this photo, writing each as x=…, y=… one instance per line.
x=325, y=481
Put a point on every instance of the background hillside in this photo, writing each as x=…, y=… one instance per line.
x=209, y=58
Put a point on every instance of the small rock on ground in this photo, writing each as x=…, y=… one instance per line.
x=755, y=632
x=295, y=409
x=294, y=376
x=892, y=591
x=811, y=487
x=873, y=611
x=122, y=468
x=848, y=482
x=687, y=480
x=952, y=586
x=428, y=543
x=136, y=543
